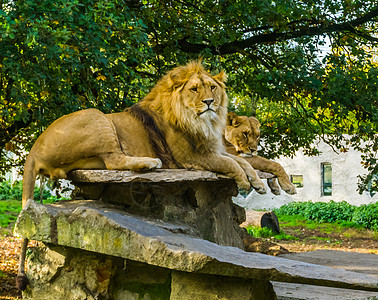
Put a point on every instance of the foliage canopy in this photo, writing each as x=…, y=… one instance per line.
x=60, y=56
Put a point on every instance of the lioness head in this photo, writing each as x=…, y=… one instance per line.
x=244, y=133
x=192, y=99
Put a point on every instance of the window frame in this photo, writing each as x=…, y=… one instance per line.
x=324, y=184
x=300, y=185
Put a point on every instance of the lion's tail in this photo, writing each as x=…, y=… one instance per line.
x=30, y=174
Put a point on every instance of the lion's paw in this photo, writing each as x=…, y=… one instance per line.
x=155, y=163
x=274, y=187
x=21, y=281
x=259, y=186
x=291, y=190
x=244, y=185
x=275, y=191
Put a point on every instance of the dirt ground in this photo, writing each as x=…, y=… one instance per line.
x=349, y=239
x=10, y=248
x=362, y=241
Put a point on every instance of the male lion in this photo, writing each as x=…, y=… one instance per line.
x=242, y=136
x=179, y=124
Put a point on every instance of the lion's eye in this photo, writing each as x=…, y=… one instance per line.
x=193, y=89
x=213, y=87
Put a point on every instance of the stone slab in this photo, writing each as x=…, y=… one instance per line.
x=156, y=176
x=293, y=291
x=94, y=226
x=352, y=261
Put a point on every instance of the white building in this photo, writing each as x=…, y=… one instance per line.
x=329, y=176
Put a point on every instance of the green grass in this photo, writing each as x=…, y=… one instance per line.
x=296, y=220
x=290, y=223
x=267, y=233
x=345, y=228
x=9, y=210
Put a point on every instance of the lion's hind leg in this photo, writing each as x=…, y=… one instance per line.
x=120, y=161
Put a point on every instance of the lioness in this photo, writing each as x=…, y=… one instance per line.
x=242, y=136
x=179, y=124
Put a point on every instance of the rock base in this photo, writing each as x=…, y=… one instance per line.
x=169, y=234
x=202, y=202
x=61, y=273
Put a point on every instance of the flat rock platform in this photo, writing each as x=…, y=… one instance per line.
x=100, y=249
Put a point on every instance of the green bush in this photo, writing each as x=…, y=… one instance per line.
x=13, y=191
x=331, y=212
x=367, y=216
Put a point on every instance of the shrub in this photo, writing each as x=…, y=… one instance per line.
x=331, y=212
x=328, y=211
x=367, y=216
x=13, y=191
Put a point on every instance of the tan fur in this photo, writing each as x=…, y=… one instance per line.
x=180, y=121
x=191, y=128
x=242, y=136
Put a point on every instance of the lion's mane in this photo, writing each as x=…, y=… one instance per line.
x=165, y=99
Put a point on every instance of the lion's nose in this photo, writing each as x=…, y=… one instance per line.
x=208, y=101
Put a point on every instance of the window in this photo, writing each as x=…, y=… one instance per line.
x=372, y=182
x=297, y=180
x=326, y=179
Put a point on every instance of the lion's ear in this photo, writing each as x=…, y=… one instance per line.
x=256, y=121
x=177, y=77
x=233, y=119
x=221, y=77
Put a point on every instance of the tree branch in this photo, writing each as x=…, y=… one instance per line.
x=322, y=28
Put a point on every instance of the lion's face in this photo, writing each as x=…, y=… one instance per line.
x=203, y=97
x=204, y=106
x=244, y=133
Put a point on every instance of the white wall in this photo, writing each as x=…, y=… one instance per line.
x=345, y=169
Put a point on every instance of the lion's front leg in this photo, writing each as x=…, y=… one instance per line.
x=224, y=165
x=253, y=178
x=266, y=165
